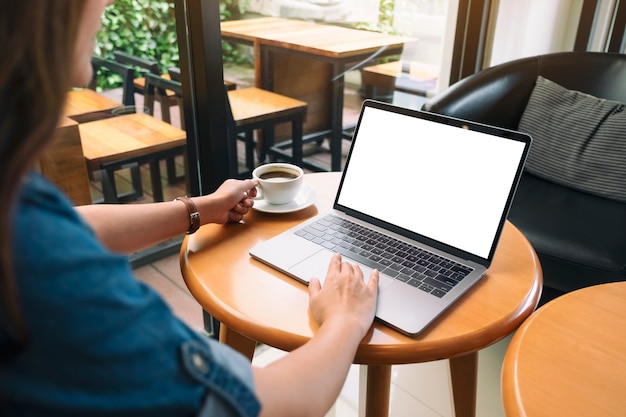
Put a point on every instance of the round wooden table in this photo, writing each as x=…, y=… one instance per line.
x=254, y=302
x=569, y=358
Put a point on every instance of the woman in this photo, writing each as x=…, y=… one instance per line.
x=78, y=334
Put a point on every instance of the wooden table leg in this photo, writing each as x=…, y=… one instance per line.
x=464, y=374
x=237, y=341
x=378, y=391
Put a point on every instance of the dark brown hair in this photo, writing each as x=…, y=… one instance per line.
x=37, y=45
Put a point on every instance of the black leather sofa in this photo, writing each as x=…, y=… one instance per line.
x=580, y=238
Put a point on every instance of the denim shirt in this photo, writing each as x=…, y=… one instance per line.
x=100, y=342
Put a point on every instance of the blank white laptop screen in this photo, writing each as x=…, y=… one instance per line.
x=417, y=184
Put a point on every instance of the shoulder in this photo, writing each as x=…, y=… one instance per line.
x=43, y=210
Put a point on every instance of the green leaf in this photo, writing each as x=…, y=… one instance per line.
x=147, y=29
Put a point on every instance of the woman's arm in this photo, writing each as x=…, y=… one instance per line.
x=127, y=228
x=307, y=381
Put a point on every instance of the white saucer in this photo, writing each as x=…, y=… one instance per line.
x=306, y=197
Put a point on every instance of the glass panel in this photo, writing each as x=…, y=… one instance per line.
x=546, y=27
x=427, y=22
x=126, y=171
x=109, y=147
x=328, y=54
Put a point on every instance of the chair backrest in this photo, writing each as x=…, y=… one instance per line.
x=143, y=64
x=498, y=95
x=126, y=72
x=174, y=73
x=160, y=84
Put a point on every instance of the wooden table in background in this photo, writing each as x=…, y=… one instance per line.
x=569, y=357
x=254, y=302
x=304, y=60
x=111, y=143
x=87, y=105
x=63, y=163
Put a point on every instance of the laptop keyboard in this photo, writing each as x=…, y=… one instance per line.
x=415, y=266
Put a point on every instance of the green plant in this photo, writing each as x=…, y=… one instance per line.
x=147, y=29
x=231, y=10
x=385, y=19
x=144, y=28
x=384, y=24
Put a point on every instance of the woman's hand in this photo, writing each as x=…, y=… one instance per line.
x=229, y=203
x=345, y=295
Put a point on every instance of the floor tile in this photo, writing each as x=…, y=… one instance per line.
x=170, y=267
x=427, y=382
x=419, y=389
x=181, y=302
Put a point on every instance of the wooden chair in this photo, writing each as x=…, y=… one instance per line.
x=248, y=110
x=126, y=72
x=146, y=66
x=138, y=138
x=157, y=86
x=166, y=98
x=128, y=99
x=252, y=109
x=174, y=74
x=254, y=106
x=408, y=77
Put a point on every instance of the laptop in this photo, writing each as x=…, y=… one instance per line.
x=423, y=198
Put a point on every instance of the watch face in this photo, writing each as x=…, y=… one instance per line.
x=195, y=222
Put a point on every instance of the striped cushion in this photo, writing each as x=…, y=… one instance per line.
x=578, y=139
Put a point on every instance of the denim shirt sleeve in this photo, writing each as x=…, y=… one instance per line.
x=101, y=342
x=228, y=377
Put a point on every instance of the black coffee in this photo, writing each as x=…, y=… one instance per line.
x=278, y=175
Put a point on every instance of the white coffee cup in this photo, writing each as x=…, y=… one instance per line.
x=279, y=183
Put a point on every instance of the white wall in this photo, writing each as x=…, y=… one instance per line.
x=533, y=27
x=427, y=26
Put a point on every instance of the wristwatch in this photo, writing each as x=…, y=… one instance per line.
x=194, y=214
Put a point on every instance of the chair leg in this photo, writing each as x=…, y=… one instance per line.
x=109, y=190
x=249, y=135
x=155, y=177
x=296, y=142
x=170, y=164
x=109, y=187
x=135, y=176
x=268, y=142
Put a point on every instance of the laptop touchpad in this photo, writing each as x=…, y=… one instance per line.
x=317, y=266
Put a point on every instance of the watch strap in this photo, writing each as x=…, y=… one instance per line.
x=194, y=214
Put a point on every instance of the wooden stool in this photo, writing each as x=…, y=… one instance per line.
x=253, y=108
x=408, y=77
